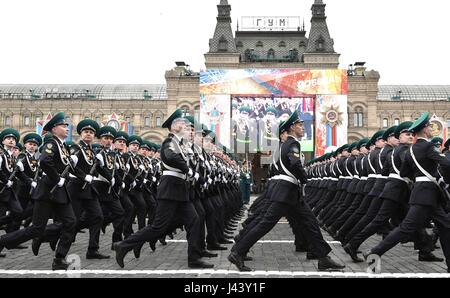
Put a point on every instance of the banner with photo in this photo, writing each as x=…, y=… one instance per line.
x=331, y=123
x=255, y=122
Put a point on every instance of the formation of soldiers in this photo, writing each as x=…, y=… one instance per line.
x=395, y=184
x=188, y=182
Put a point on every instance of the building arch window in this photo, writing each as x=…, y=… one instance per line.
x=259, y=44
x=147, y=121
x=8, y=121
x=26, y=120
x=282, y=44
x=158, y=121
x=223, y=44
x=271, y=54
x=385, y=122
x=396, y=121
x=358, y=117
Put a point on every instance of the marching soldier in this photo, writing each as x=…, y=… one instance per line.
x=288, y=201
x=421, y=163
x=8, y=173
x=105, y=185
x=80, y=187
x=172, y=197
x=50, y=195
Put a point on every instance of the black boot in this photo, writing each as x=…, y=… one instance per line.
x=120, y=254
x=328, y=264
x=60, y=264
x=429, y=257
x=53, y=243
x=215, y=246
x=207, y=254
x=353, y=253
x=137, y=250
x=2, y=255
x=238, y=261
x=94, y=254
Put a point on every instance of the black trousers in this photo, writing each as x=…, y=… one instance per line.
x=356, y=201
x=302, y=214
x=374, y=207
x=355, y=217
x=140, y=207
x=115, y=215
x=89, y=215
x=201, y=219
x=345, y=204
x=166, y=212
x=128, y=218
x=210, y=219
x=15, y=209
x=416, y=219
x=41, y=214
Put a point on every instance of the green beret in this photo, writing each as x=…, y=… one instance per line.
x=378, y=135
x=245, y=109
x=134, y=139
x=281, y=128
x=345, y=148
x=88, y=124
x=10, y=132
x=190, y=119
x=272, y=110
x=362, y=143
x=58, y=119
x=121, y=135
x=420, y=123
x=107, y=131
x=294, y=118
x=70, y=143
x=176, y=115
x=390, y=132
x=146, y=144
x=353, y=146
x=19, y=146
x=33, y=138
x=437, y=141
x=403, y=127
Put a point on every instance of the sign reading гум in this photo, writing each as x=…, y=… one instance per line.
x=270, y=23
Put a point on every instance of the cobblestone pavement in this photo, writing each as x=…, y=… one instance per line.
x=274, y=256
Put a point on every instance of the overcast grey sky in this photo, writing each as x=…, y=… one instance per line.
x=136, y=41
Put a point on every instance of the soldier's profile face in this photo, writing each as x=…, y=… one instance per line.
x=61, y=131
x=31, y=147
x=9, y=141
x=407, y=138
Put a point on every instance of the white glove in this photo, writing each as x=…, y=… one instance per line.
x=19, y=164
x=123, y=185
x=128, y=167
x=9, y=184
x=61, y=182
x=205, y=185
x=145, y=181
x=74, y=159
x=33, y=184
x=100, y=159
x=209, y=180
x=196, y=176
x=117, y=165
x=133, y=185
x=154, y=179
x=190, y=173
x=88, y=178
x=113, y=181
x=142, y=167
